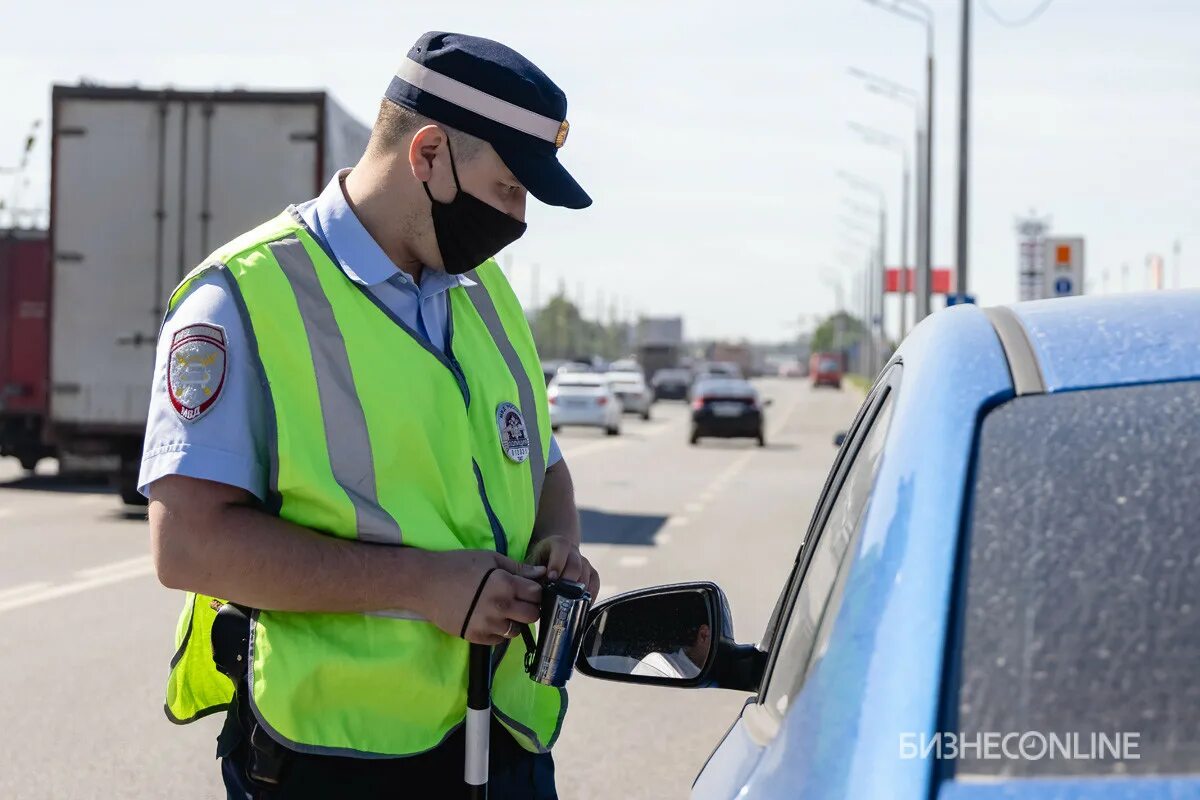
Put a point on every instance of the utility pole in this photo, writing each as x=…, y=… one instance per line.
x=964, y=160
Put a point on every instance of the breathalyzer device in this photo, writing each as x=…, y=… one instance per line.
x=565, y=606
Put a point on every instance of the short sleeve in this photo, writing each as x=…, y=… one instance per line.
x=555, y=455
x=225, y=440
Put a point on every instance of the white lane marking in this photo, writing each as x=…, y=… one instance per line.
x=722, y=479
x=588, y=448
x=633, y=561
x=787, y=416
x=115, y=566
x=23, y=588
x=677, y=522
x=93, y=578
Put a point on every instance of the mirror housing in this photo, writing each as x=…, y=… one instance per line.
x=839, y=438
x=653, y=636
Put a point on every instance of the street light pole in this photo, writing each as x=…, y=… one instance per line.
x=886, y=87
x=917, y=11
x=881, y=266
x=881, y=295
x=902, y=272
x=925, y=273
x=964, y=162
x=896, y=144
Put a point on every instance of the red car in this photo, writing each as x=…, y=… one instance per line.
x=826, y=370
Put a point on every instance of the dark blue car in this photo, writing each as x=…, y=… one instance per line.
x=998, y=595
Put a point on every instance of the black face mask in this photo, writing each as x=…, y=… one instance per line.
x=468, y=230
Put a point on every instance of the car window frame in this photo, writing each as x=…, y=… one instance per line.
x=887, y=385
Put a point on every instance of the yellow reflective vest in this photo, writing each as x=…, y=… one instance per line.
x=377, y=436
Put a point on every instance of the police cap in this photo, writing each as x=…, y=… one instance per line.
x=491, y=91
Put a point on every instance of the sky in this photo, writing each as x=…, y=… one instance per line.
x=711, y=135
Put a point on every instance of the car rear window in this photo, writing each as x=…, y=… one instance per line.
x=1082, y=614
x=723, y=388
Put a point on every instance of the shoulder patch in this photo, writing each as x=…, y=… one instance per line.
x=196, y=369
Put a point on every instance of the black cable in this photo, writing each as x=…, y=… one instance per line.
x=1020, y=23
x=471, y=610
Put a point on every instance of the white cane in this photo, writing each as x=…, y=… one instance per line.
x=479, y=720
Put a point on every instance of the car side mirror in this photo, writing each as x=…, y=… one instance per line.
x=839, y=438
x=677, y=635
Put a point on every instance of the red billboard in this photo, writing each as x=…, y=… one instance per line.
x=943, y=280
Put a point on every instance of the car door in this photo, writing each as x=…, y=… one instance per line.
x=805, y=610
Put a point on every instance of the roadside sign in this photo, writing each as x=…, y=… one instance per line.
x=1063, y=266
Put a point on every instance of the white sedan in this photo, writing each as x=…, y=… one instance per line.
x=633, y=393
x=584, y=399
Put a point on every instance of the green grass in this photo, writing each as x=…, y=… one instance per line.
x=860, y=382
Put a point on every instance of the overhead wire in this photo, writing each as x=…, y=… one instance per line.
x=1017, y=23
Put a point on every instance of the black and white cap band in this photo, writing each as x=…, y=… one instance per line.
x=482, y=103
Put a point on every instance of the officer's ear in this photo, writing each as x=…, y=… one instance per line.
x=428, y=144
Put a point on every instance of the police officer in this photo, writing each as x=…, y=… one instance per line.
x=349, y=439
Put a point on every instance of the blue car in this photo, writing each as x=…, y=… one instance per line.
x=999, y=592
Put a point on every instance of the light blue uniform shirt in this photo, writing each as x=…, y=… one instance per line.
x=228, y=443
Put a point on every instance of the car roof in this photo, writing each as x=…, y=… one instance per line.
x=580, y=379
x=1110, y=340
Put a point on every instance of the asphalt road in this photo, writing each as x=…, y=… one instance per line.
x=85, y=629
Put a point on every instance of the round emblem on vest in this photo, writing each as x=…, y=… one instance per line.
x=514, y=436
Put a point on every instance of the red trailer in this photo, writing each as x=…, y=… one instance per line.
x=24, y=343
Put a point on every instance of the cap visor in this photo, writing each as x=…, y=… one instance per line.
x=545, y=178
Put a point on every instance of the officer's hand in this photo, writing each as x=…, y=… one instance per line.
x=562, y=558
x=510, y=598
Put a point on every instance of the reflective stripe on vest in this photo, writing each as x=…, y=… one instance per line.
x=346, y=436
x=374, y=433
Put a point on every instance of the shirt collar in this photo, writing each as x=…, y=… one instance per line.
x=357, y=252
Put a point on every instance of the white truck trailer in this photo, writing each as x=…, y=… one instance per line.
x=144, y=185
